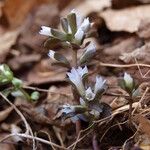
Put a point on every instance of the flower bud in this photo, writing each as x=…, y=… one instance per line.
x=45, y=31
x=88, y=54
x=58, y=57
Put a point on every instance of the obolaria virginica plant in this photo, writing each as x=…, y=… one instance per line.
x=128, y=84
x=75, y=31
x=13, y=85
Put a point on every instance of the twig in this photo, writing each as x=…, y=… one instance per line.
x=18, y=112
x=123, y=66
x=35, y=138
x=44, y=90
x=140, y=101
x=28, y=129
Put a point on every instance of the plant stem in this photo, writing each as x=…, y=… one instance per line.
x=95, y=142
x=74, y=58
x=130, y=109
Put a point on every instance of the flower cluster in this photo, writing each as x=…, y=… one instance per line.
x=89, y=107
x=15, y=89
x=74, y=32
x=74, y=29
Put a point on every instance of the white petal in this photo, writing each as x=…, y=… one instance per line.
x=82, y=102
x=79, y=18
x=45, y=31
x=99, y=84
x=91, y=47
x=51, y=54
x=67, y=108
x=128, y=79
x=83, y=71
x=89, y=94
x=79, y=35
x=85, y=26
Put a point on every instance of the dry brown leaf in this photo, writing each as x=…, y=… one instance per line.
x=125, y=45
x=6, y=41
x=144, y=30
x=15, y=11
x=144, y=124
x=44, y=72
x=5, y=113
x=128, y=19
x=142, y=54
x=88, y=6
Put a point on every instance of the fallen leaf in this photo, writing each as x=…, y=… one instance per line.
x=128, y=19
x=144, y=124
x=87, y=6
x=142, y=54
x=124, y=45
x=15, y=11
x=45, y=72
x=6, y=41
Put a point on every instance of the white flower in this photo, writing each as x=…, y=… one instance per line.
x=89, y=94
x=99, y=84
x=79, y=35
x=82, y=102
x=91, y=48
x=76, y=76
x=79, y=18
x=45, y=31
x=85, y=26
x=67, y=108
x=128, y=80
x=51, y=54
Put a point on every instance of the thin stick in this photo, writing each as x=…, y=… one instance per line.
x=18, y=112
x=140, y=101
x=28, y=129
x=123, y=66
x=35, y=138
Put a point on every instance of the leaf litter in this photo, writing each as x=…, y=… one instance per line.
x=22, y=48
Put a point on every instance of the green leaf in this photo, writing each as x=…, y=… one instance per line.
x=35, y=95
x=64, y=24
x=17, y=82
x=86, y=57
x=61, y=59
x=58, y=34
x=52, y=43
x=72, y=22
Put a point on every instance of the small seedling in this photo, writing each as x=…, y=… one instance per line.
x=128, y=84
x=75, y=31
x=14, y=86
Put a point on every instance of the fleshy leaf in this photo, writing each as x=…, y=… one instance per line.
x=72, y=22
x=64, y=24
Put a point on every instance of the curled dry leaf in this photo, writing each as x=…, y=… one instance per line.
x=142, y=54
x=5, y=113
x=6, y=41
x=128, y=19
